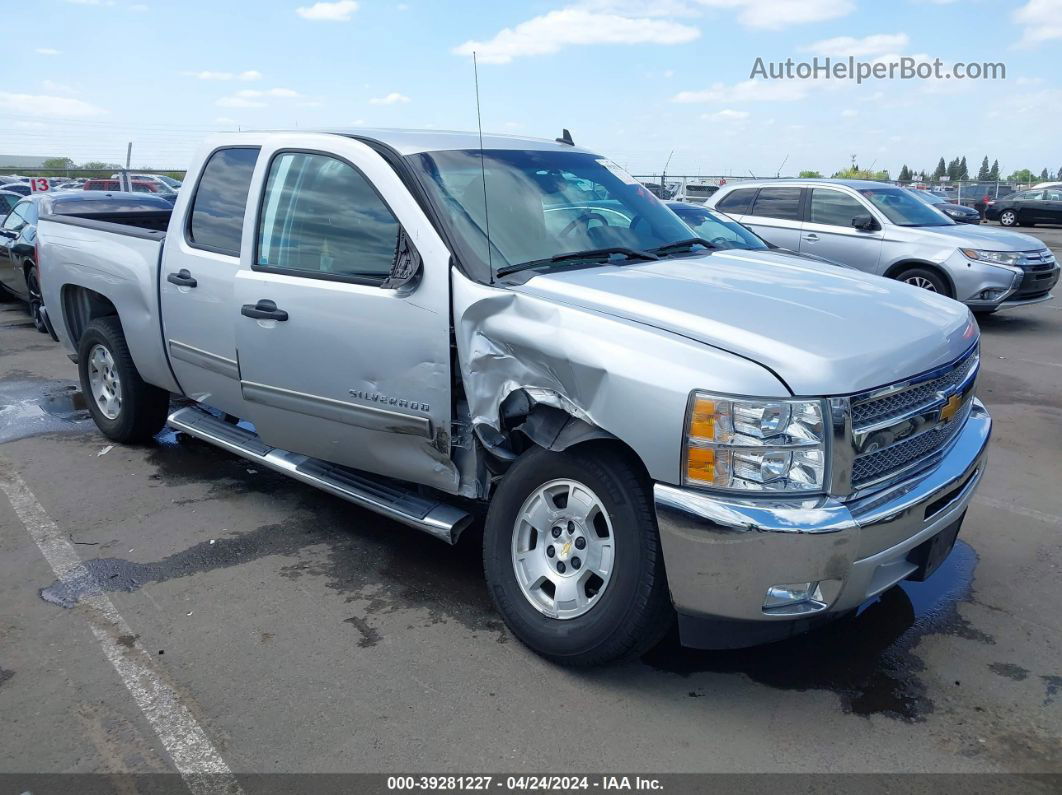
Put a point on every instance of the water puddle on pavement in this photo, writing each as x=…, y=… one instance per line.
x=867, y=659
x=31, y=407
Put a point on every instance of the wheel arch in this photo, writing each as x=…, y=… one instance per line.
x=897, y=268
x=525, y=422
x=81, y=306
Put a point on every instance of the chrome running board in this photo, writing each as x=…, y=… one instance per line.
x=385, y=497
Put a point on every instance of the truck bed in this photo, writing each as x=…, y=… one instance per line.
x=92, y=261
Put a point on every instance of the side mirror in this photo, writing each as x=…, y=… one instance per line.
x=407, y=264
x=865, y=223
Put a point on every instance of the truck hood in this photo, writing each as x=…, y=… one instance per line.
x=822, y=330
x=982, y=237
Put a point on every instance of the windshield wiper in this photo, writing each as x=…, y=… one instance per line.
x=575, y=256
x=678, y=245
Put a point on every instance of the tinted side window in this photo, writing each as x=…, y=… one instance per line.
x=834, y=207
x=322, y=216
x=737, y=201
x=216, y=221
x=778, y=203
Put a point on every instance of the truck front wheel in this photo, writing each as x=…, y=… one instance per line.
x=123, y=405
x=572, y=557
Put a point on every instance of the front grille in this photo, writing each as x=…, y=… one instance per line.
x=874, y=410
x=1038, y=260
x=1036, y=283
x=872, y=466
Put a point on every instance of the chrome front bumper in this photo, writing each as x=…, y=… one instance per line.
x=722, y=554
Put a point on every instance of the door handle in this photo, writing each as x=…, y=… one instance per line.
x=264, y=310
x=811, y=236
x=181, y=278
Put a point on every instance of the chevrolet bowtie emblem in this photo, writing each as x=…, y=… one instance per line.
x=950, y=408
x=567, y=548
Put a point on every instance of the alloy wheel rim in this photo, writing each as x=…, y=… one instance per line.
x=104, y=382
x=1008, y=218
x=563, y=549
x=923, y=282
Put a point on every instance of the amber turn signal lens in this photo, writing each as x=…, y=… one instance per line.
x=702, y=419
x=700, y=464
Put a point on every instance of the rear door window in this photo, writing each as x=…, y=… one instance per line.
x=778, y=203
x=216, y=220
x=738, y=201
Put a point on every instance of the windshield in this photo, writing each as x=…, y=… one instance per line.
x=903, y=209
x=541, y=204
x=718, y=230
x=927, y=197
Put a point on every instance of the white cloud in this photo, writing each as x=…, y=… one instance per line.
x=247, y=76
x=778, y=14
x=727, y=115
x=746, y=91
x=59, y=88
x=394, y=98
x=843, y=46
x=47, y=51
x=848, y=113
x=340, y=11
x=575, y=25
x=1041, y=20
x=238, y=102
x=46, y=105
x=272, y=92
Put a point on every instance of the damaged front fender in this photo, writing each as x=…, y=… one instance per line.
x=556, y=374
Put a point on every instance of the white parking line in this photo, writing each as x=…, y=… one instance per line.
x=194, y=756
x=1029, y=513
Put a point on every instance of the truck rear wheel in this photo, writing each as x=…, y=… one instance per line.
x=125, y=408
x=572, y=557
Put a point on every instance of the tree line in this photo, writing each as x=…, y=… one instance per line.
x=956, y=170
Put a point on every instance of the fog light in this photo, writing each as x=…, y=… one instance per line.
x=991, y=294
x=792, y=594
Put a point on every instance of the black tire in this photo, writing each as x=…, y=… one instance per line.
x=925, y=278
x=33, y=290
x=143, y=407
x=1009, y=218
x=634, y=610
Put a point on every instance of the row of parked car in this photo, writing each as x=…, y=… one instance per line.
x=19, y=274
x=160, y=184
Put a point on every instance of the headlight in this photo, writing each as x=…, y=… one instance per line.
x=755, y=445
x=996, y=257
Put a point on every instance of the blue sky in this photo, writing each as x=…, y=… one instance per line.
x=632, y=79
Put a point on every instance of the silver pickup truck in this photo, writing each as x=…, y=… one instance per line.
x=428, y=326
